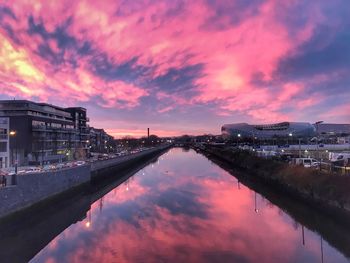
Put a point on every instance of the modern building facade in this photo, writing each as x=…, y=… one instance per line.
x=80, y=120
x=100, y=141
x=43, y=133
x=4, y=142
x=269, y=131
x=333, y=129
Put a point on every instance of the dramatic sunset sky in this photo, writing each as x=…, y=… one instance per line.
x=179, y=66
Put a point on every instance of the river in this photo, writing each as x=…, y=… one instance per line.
x=184, y=208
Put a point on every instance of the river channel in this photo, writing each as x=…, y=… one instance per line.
x=182, y=208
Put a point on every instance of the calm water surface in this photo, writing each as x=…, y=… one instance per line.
x=183, y=208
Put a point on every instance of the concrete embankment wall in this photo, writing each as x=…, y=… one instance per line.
x=105, y=168
x=33, y=188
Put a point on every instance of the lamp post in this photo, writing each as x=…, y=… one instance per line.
x=238, y=136
x=290, y=135
x=318, y=152
x=87, y=149
x=14, y=176
x=253, y=140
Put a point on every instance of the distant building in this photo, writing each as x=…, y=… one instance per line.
x=80, y=120
x=269, y=131
x=44, y=133
x=100, y=141
x=333, y=129
x=4, y=142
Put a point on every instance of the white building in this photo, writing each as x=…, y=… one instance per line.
x=269, y=131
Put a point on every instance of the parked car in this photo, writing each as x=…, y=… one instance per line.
x=79, y=163
x=32, y=170
x=60, y=165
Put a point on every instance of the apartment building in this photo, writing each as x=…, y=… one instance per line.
x=4, y=143
x=42, y=133
x=100, y=141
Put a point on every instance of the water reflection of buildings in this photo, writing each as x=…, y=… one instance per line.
x=101, y=204
x=28, y=233
x=89, y=221
x=281, y=212
x=255, y=204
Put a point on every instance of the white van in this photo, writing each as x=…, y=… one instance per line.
x=307, y=162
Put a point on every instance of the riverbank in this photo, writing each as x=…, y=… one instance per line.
x=329, y=193
x=38, y=189
x=30, y=230
x=335, y=233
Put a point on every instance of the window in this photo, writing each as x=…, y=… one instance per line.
x=38, y=123
x=56, y=125
x=3, y=121
x=3, y=147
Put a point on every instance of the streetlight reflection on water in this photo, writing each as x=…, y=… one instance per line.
x=88, y=223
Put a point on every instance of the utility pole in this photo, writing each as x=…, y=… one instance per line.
x=318, y=152
x=14, y=177
x=238, y=136
x=42, y=152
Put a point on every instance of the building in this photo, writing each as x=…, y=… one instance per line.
x=100, y=141
x=42, y=133
x=4, y=143
x=269, y=131
x=80, y=120
x=333, y=129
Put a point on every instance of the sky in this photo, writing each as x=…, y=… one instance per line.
x=179, y=67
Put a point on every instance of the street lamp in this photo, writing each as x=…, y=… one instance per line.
x=14, y=177
x=318, y=152
x=290, y=135
x=238, y=136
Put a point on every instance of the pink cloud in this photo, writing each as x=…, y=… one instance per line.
x=158, y=37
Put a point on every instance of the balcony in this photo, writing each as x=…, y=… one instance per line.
x=53, y=129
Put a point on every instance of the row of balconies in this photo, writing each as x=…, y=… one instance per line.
x=53, y=138
x=49, y=148
x=53, y=129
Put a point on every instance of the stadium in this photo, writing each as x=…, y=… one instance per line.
x=269, y=131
